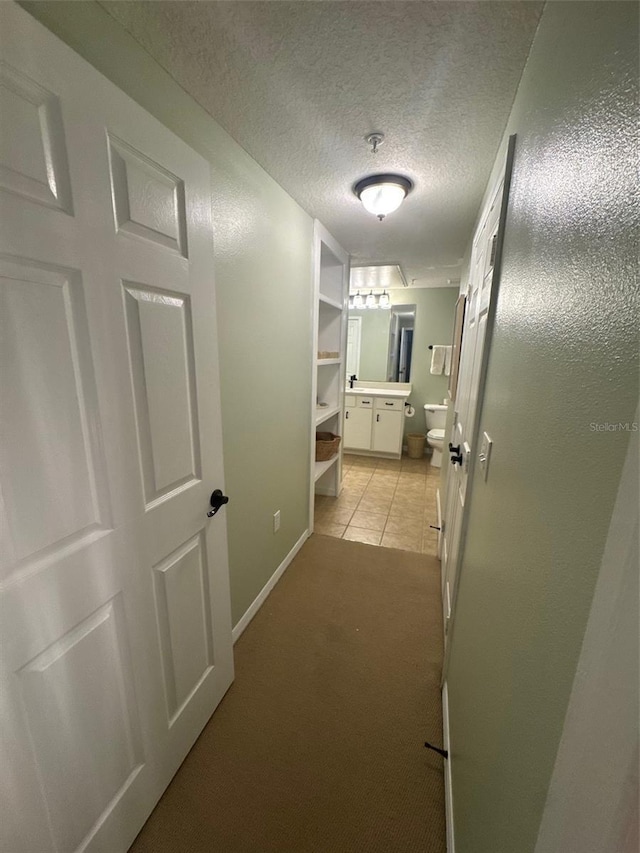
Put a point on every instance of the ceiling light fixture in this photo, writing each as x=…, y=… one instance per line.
x=382, y=194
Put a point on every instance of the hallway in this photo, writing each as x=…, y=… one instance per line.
x=318, y=744
x=185, y=189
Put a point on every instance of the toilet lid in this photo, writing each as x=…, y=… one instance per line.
x=436, y=433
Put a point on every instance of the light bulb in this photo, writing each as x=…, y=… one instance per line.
x=381, y=199
x=382, y=194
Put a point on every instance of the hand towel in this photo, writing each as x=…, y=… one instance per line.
x=447, y=361
x=437, y=360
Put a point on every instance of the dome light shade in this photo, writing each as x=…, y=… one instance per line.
x=384, y=301
x=371, y=301
x=382, y=194
x=358, y=301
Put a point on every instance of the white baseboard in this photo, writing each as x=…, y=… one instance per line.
x=448, y=790
x=266, y=589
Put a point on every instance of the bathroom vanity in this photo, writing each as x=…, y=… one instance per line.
x=374, y=418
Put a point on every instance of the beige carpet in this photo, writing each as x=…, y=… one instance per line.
x=318, y=745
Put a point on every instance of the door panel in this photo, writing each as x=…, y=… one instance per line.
x=91, y=663
x=148, y=201
x=162, y=366
x=184, y=621
x=114, y=597
x=33, y=157
x=51, y=457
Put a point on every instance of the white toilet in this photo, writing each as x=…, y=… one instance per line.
x=435, y=416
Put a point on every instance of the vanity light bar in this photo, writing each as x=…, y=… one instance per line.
x=381, y=300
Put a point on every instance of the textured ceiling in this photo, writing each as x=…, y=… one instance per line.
x=299, y=85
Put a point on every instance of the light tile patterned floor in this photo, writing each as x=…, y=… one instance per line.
x=383, y=502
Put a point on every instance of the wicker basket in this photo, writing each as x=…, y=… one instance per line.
x=326, y=445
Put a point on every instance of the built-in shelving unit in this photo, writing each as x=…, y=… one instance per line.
x=323, y=415
x=329, y=332
x=329, y=301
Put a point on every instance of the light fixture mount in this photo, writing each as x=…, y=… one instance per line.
x=375, y=140
x=382, y=194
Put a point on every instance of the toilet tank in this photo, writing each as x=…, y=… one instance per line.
x=435, y=415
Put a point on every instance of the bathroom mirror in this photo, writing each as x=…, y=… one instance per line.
x=380, y=343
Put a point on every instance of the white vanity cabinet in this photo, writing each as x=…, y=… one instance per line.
x=358, y=416
x=386, y=435
x=373, y=424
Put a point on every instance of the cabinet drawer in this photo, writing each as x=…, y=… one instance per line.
x=364, y=402
x=349, y=400
x=389, y=404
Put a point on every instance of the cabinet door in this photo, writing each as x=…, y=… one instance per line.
x=386, y=432
x=357, y=428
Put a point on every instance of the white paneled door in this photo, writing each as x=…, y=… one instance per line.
x=463, y=449
x=114, y=595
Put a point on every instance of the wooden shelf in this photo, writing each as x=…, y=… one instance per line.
x=321, y=467
x=323, y=415
x=322, y=361
x=332, y=302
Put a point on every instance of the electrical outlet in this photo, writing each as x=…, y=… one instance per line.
x=276, y=521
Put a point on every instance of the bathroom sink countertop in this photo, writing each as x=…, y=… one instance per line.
x=395, y=389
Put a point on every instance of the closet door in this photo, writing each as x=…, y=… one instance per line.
x=114, y=600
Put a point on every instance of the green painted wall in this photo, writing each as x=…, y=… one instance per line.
x=564, y=357
x=434, y=325
x=263, y=243
x=435, y=308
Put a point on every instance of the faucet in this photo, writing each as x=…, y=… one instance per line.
x=352, y=379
